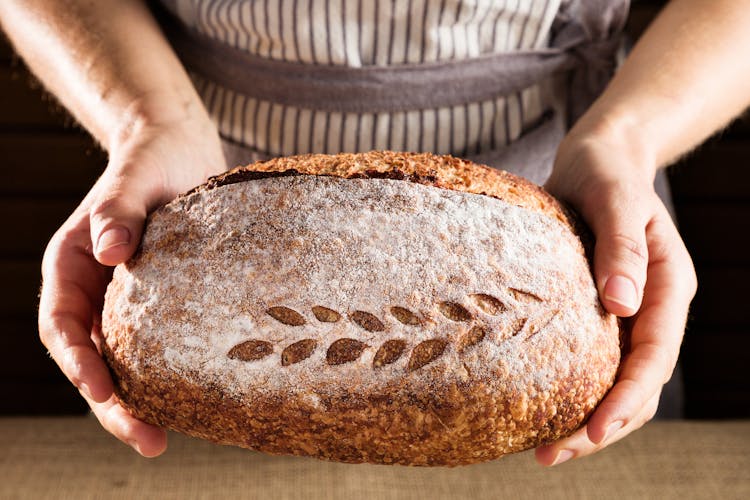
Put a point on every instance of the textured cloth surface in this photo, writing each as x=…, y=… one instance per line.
x=75, y=458
x=391, y=83
x=331, y=35
x=370, y=33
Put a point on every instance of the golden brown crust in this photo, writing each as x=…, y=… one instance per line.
x=443, y=171
x=448, y=360
x=469, y=423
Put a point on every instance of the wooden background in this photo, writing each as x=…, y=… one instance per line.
x=47, y=165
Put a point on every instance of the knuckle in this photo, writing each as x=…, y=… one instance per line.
x=663, y=238
x=48, y=259
x=687, y=270
x=122, y=428
x=73, y=232
x=693, y=277
x=113, y=185
x=649, y=410
x=640, y=397
x=663, y=357
x=70, y=363
x=659, y=355
x=127, y=428
x=690, y=276
x=631, y=396
x=49, y=331
x=629, y=248
x=684, y=278
x=107, y=418
x=125, y=196
x=622, y=254
x=53, y=249
x=103, y=206
x=45, y=335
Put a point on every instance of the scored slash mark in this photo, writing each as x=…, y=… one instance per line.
x=345, y=350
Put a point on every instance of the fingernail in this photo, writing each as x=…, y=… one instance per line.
x=563, y=456
x=112, y=237
x=612, y=428
x=621, y=290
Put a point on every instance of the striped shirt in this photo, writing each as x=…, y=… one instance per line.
x=372, y=33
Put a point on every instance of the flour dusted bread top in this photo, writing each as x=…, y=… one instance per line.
x=365, y=313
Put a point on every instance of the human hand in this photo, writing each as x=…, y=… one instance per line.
x=642, y=271
x=146, y=169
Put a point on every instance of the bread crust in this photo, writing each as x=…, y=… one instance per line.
x=442, y=171
x=492, y=359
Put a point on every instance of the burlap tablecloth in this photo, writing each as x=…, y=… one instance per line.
x=74, y=458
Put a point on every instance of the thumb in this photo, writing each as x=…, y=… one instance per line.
x=620, y=254
x=118, y=213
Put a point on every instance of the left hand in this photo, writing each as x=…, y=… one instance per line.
x=642, y=271
x=156, y=161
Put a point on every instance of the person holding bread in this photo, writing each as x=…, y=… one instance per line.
x=178, y=90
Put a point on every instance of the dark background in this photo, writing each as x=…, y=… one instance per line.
x=47, y=164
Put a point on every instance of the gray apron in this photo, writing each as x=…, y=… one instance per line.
x=584, y=41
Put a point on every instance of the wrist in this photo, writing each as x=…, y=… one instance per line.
x=604, y=148
x=601, y=155
x=155, y=111
x=620, y=134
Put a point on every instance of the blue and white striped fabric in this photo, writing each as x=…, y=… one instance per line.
x=372, y=33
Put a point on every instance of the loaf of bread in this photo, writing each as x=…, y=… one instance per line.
x=390, y=308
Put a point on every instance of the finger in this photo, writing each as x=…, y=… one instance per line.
x=579, y=445
x=68, y=342
x=72, y=290
x=146, y=439
x=656, y=332
x=655, y=338
x=621, y=254
x=117, y=214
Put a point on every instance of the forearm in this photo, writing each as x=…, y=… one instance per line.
x=687, y=77
x=105, y=60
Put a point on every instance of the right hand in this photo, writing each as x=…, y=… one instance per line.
x=151, y=166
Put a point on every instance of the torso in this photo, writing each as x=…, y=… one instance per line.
x=372, y=33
